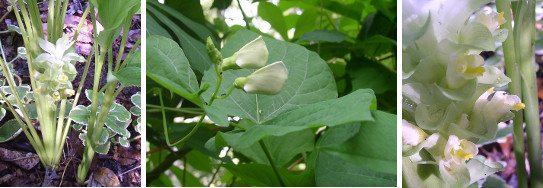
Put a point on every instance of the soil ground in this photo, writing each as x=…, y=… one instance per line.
x=121, y=162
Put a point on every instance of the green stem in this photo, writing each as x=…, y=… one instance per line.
x=268, y=155
x=525, y=39
x=227, y=94
x=182, y=110
x=515, y=88
x=244, y=16
x=165, y=125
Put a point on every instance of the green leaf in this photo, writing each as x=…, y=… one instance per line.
x=117, y=120
x=113, y=13
x=306, y=22
x=131, y=74
x=154, y=28
x=282, y=148
x=102, y=148
x=323, y=35
x=199, y=161
x=9, y=130
x=195, y=49
x=351, y=108
x=190, y=179
x=14, y=28
x=2, y=113
x=273, y=15
x=310, y=80
x=263, y=176
x=366, y=159
x=123, y=141
x=136, y=100
x=221, y=4
x=169, y=67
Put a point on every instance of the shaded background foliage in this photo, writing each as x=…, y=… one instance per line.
x=356, y=38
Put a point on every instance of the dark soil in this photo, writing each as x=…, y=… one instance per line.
x=124, y=162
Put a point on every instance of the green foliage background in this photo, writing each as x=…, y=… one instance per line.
x=357, y=41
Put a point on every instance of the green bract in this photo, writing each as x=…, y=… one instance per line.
x=448, y=91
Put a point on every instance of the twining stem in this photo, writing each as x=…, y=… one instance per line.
x=515, y=88
x=244, y=16
x=525, y=38
x=268, y=155
x=213, y=97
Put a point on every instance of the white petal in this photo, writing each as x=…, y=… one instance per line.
x=268, y=80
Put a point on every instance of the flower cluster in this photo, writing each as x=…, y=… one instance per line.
x=449, y=101
x=54, y=70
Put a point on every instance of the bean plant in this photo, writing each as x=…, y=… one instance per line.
x=453, y=100
x=51, y=58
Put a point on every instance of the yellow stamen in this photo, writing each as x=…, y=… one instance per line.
x=519, y=106
x=476, y=70
x=501, y=19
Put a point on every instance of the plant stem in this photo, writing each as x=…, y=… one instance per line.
x=525, y=39
x=244, y=16
x=182, y=110
x=515, y=88
x=268, y=155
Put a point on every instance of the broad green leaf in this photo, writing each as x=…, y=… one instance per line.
x=366, y=159
x=273, y=15
x=154, y=28
x=351, y=108
x=201, y=31
x=168, y=66
x=113, y=13
x=199, y=161
x=306, y=22
x=191, y=8
x=323, y=35
x=221, y=4
x=309, y=81
x=263, y=176
x=9, y=130
x=190, y=179
x=194, y=49
x=131, y=74
x=282, y=148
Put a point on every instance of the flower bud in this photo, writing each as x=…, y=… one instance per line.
x=268, y=80
x=212, y=51
x=251, y=56
x=411, y=134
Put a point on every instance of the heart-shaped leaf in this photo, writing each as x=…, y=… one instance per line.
x=309, y=81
